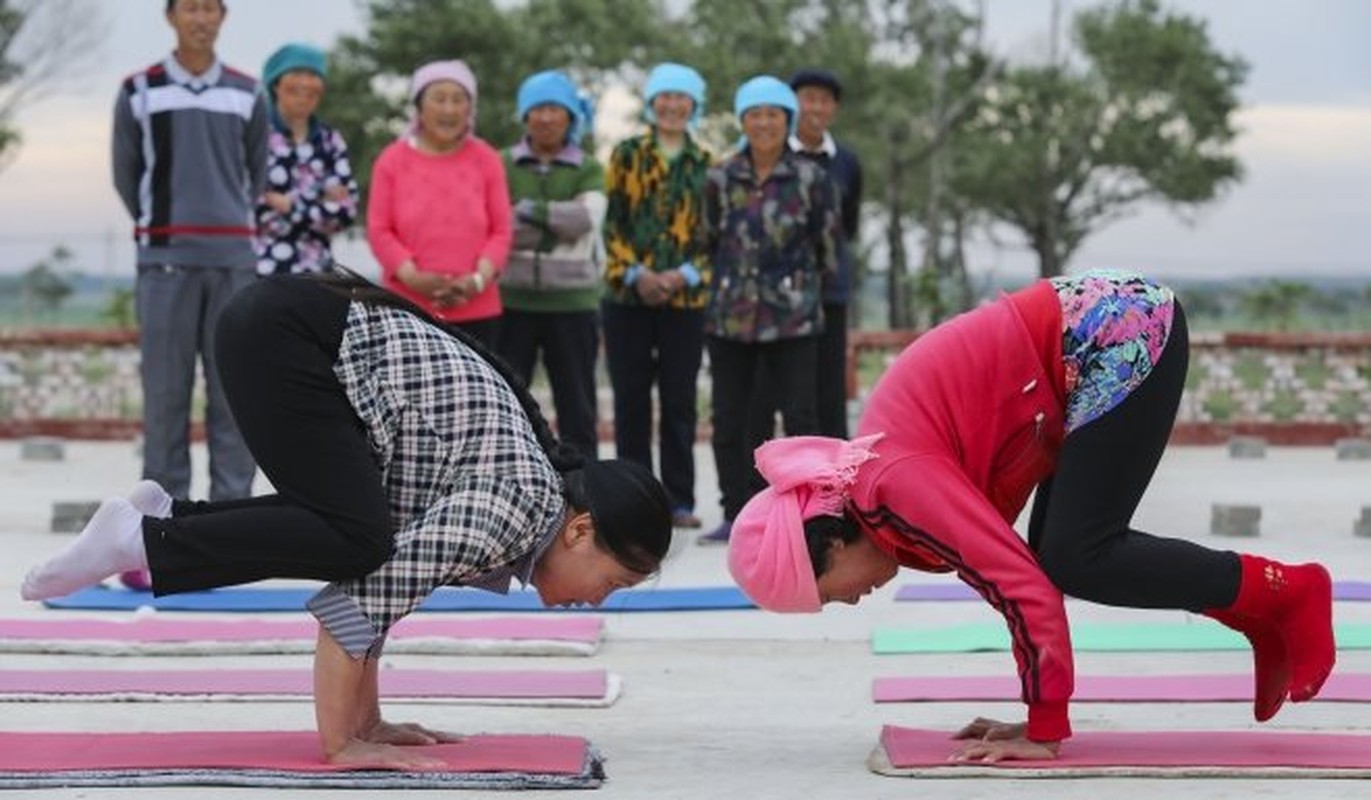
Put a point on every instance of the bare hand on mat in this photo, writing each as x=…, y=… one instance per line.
x=374, y=755
x=993, y=741
x=408, y=734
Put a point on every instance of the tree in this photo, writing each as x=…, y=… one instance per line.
x=43, y=288
x=1277, y=303
x=1059, y=151
x=42, y=44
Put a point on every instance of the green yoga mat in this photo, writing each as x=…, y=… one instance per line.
x=993, y=636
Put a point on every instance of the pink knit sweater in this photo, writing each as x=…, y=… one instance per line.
x=443, y=211
x=973, y=419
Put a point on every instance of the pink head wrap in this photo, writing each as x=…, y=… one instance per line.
x=456, y=71
x=809, y=476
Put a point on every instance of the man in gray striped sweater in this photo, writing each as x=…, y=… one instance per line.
x=189, y=158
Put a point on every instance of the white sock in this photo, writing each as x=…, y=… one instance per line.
x=151, y=500
x=111, y=542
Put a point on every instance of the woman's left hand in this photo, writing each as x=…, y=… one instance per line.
x=992, y=740
x=407, y=734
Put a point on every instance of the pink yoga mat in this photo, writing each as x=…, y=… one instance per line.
x=1191, y=753
x=289, y=752
x=1348, y=687
x=157, y=635
x=207, y=684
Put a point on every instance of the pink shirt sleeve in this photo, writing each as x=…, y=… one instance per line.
x=382, y=235
x=935, y=502
x=498, y=211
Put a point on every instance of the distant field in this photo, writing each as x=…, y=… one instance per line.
x=1331, y=304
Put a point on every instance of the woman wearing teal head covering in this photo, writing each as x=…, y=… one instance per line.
x=311, y=193
x=551, y=286
x=772, y=222
x=658, y=279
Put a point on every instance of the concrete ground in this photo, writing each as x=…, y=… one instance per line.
x=740, y=704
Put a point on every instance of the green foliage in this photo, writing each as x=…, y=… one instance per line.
x=1221, y=405
x=119, y=310
x=1276, y=304
x=1284, y=405
x=11, y=23
x=43, y=288
x=1348, y=406
x=1251, y=371
x=1058, y=151
x=1313, y=371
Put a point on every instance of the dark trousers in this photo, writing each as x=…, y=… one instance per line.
x=277, y=342
x=570, y=342
x=737, y=368
x=1080, y=523
x=661, y=346
x=830, y=364
x=485, y=331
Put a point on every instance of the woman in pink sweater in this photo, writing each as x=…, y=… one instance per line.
x=1068, y=388
x=438, y=214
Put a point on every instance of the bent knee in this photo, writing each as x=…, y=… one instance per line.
x=1069, y=571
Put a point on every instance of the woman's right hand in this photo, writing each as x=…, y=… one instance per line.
x=443, y=290
x=372, y=755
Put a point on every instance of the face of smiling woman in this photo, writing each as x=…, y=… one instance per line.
x=766, y=128
x=672, y=111
x=444, y=115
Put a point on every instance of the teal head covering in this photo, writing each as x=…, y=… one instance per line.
x=292, y=57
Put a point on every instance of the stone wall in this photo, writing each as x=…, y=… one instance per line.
x=1287, y=388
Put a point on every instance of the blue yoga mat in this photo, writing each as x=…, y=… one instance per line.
x=711, y=598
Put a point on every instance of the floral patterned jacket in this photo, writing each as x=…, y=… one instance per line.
x=298, y=241
x=770, y=243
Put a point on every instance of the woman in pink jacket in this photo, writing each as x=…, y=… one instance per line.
x=438, y=213
x=1070, y=388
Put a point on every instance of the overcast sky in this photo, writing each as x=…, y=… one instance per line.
x=1305, y=206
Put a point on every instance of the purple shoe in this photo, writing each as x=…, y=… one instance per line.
x=717, y=536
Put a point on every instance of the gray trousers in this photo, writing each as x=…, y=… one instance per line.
x=178, y=309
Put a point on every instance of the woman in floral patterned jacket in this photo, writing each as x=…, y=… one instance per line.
x=772, y=220
x=311, y=193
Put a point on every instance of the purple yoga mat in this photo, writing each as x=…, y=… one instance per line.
x=1354, y=591
x=1348, y=687
x=395, y=683
x=158, y=635
x=1187, y=752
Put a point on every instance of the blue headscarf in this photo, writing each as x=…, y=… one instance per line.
x=552, y=87
x=764, y=90
x=669, y=77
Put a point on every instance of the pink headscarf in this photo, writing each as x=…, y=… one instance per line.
x=809, y=476
x=455, y=70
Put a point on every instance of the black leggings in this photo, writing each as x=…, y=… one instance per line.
x=277, y=342
x=1079, y=526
